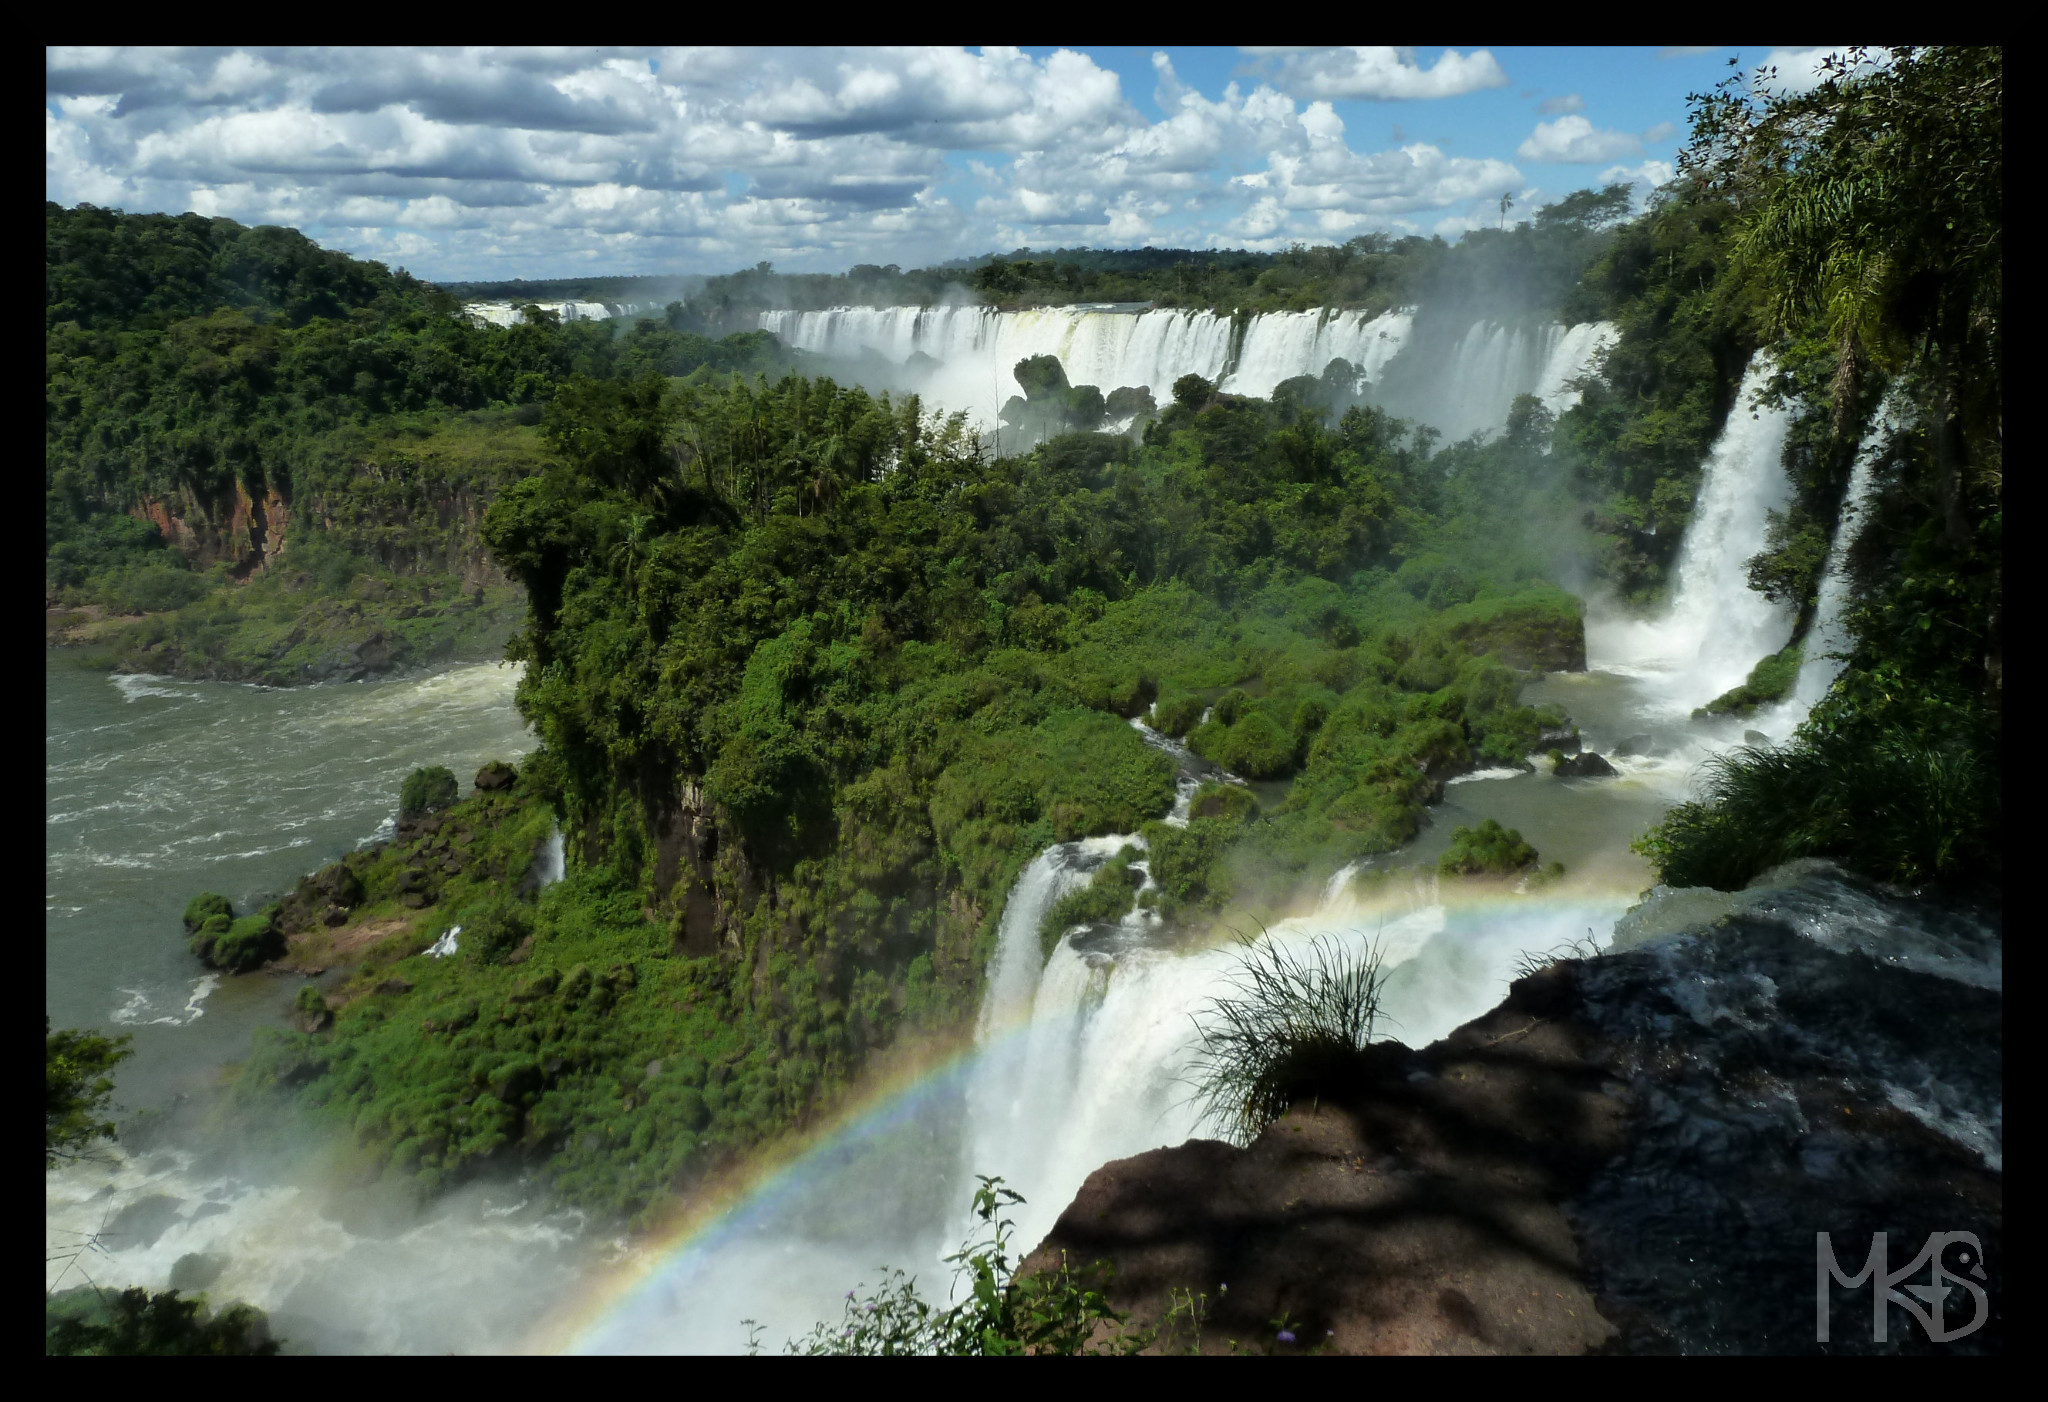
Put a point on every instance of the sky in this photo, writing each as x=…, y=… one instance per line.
x=469, y=164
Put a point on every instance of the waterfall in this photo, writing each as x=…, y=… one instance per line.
x=511, y=314
x=1460, y=388
x=1827, y=640
x=1280, y=345
x=553, y=860
x=1716, y=627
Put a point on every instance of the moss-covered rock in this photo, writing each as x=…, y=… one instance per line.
x=495, y=775
x=1488, y=849
x=427, y=790
x=243, y=944
x=207, y=905
x=1770, y=680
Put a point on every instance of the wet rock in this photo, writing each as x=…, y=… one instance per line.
x=1669, y=910
x=1756, y=738
x=1635, y=745
x=1585, y=766
x=141, y=1222
x=1564, y=739
x=197, y=1270
x=1633, y=1153
x=495, y=775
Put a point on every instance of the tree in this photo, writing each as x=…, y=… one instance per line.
x=76, y=1084
x=1875, y=202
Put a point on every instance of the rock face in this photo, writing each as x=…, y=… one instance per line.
x=1585, y=766
x=1633, y=1153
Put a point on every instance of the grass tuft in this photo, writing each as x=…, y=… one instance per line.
x=1297, y=1022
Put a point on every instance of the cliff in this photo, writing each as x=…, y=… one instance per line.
x=1632, y=1153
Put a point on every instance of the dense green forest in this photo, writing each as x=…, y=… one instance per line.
x=815, y=677
x=227, y=406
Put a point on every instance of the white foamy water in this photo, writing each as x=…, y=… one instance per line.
x=1716, y=628
x=1828, y=641
x=157, y=789
x=977, y=349
x=339, y=1270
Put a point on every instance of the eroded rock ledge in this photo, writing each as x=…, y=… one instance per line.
x=1632, y=1153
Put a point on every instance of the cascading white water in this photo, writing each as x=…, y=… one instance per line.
x=511, y=314
x=1821, y=659
x=977, y=349
x=1468, y=384
x=553, y=860
x=1280, y=345
x=1101, y=1070
x=1717, y=628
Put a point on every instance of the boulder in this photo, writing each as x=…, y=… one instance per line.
x=1756, y=739
x=495, y=775
x=1564, y=738
x=1636, y=745
x=1585, y=766
x=195, y=1269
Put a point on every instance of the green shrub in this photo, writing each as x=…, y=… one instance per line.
x=1488, y=849
x=1233, y=802
x=1107, y=896
x=1908, y=805
x=1297, y=1022
x=1244, y=741
x=1058, y=1313
x=1177, y=715
x=493, y=930
x=427, y=790
x=1770, y=680
x=243, y=944
x=204, y=907
x=87, y=1322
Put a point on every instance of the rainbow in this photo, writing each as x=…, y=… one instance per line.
x=728, y=1205
x=620, y=1307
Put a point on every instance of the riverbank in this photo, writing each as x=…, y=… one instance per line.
x=1631, y=1153
x=278, y=637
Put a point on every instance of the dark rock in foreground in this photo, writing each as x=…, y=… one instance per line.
x=1633, y=1153
x=1585, y=766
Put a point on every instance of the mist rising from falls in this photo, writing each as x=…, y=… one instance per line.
x=1468, y=386
x=1458, y=386
x=1716, y=628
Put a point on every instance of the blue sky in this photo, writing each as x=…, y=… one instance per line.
x=489, y=163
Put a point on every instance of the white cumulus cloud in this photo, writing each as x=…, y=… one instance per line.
x=1575, y=140
x=1381, y=71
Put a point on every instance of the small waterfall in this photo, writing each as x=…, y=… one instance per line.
x=553, y=860
x=1827, y=641
x=1716, y=627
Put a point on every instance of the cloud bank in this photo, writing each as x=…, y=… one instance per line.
x=495, y=162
